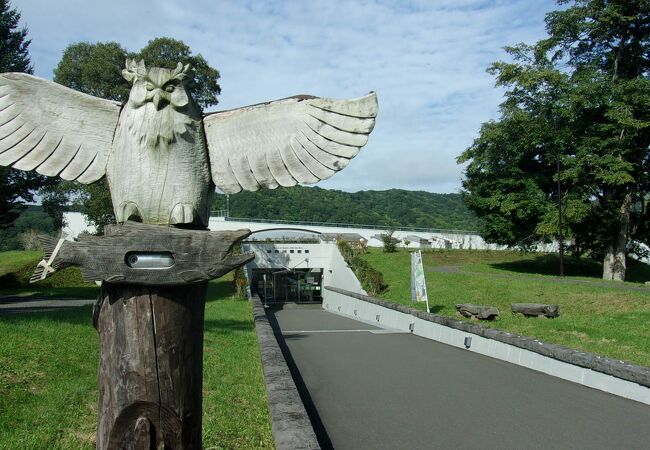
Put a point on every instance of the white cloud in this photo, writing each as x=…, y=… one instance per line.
x=425, y=59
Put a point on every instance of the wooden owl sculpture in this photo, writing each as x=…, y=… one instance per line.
x=162, y=156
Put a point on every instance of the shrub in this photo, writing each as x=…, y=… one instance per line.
x=360, y=247
x=371, y=280
x=29, y=240
x=390, y=242
x=345, y=248
x=239, y=276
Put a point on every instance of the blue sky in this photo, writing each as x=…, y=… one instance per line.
x=425, y=59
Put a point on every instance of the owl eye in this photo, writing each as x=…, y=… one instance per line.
x=169, y=88
x=150, y=86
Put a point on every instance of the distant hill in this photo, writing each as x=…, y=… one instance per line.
x=395, y=207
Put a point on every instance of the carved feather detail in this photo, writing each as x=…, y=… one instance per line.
x=54, y=130
x=286, y=142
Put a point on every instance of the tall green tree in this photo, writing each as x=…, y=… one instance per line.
x=14, y=53
x=16, y=187
x=167, y=52
x=96, y=69
x=576, y=101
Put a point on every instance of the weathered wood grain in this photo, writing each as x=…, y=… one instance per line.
x=535, y=309
x=477, y=311
x=54, y=130
x=285, y=142
x=158, y=171
x=198, y=254
x=150, y=370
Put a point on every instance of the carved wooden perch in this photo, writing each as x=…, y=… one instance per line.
x=135, y=253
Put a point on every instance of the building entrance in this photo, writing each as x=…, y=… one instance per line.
x=288, y=285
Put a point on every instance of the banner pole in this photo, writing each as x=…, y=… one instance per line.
x=424, y=281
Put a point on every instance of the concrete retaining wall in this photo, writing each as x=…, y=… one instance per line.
x=341, y=274
x=616, y=377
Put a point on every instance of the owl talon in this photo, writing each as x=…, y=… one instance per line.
x=182, y=213
x=129, y=211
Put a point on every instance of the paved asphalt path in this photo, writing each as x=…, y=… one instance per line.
x=367, y=388
x=22, y=305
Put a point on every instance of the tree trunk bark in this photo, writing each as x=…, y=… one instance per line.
x=614, y=265
x=151, y=366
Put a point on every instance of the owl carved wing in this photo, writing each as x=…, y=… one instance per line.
x=282, y=143
x=53, y=129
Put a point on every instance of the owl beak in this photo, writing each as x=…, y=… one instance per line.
x=159, y=100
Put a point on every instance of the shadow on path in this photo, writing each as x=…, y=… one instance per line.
x=316, y=422
x=605, y=284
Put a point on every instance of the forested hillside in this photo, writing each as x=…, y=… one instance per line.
x=392, y=207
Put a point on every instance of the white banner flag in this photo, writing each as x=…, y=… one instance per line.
x=418, y=283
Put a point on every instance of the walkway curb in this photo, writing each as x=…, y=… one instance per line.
x=290, y=423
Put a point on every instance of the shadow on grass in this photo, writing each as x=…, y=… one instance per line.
x=224, y=326
x=65, y=283
x=10, y=280
x=220, y=289
x=550, y=265
x=573, y=267
x=77, y=315
x=434, y=309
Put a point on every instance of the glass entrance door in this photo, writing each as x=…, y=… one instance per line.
x=284, y=285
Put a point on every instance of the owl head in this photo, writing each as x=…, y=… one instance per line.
x=162, y=87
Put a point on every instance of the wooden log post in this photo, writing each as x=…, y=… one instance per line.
x=150, y=368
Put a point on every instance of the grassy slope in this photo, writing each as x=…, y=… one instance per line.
x=48, y=378
x=594, y=318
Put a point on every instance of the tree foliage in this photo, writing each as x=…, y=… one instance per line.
x=96, y=69
x=391, y=208
x=167, y=52
x=32, y=219
x=579, y=102
x=16, y=187
x=390, y=242
x=14, y=45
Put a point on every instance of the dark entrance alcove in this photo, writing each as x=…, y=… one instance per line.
x=280, y=285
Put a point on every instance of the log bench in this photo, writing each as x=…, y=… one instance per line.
x=477, y=312
x=535, y=309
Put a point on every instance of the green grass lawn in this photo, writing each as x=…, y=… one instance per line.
x=48, y=378
x=595, y=317
x=16, y=267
